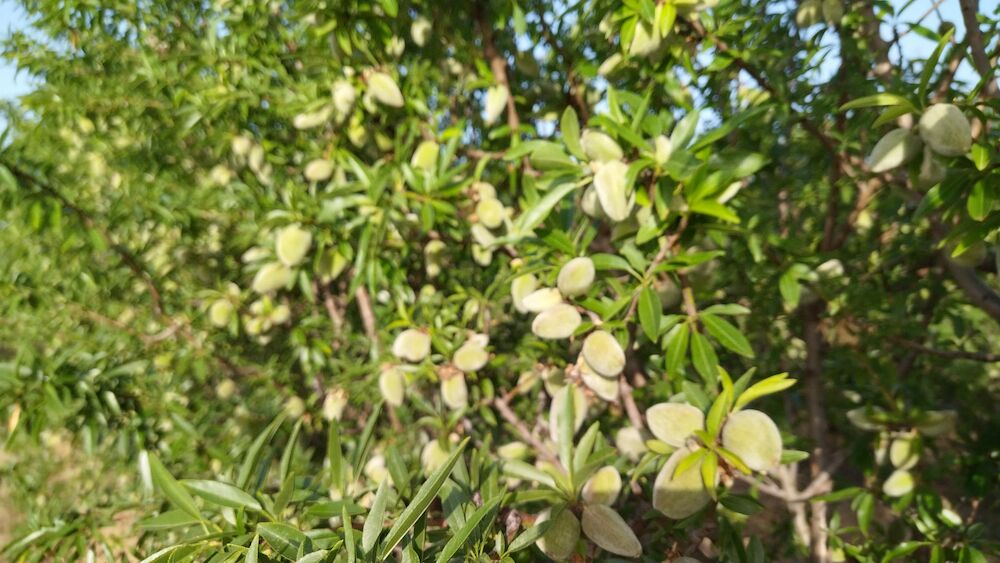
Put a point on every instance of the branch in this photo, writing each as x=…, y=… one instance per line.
x=511, y=417
x=970, y=8
x=367, y=318
x=975, y=289
x=497, y=62
x=957, y=354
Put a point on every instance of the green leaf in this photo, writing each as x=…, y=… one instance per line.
x=256, y=451
x=285, y=540
x=703, y=357
x=714, y=209
x=931, y=63
x=741, y=504
x=522, y=470
x=570, y=127
x=884, y=99
x=793, y=456
x=420, y=502
x=349, y=546
x=903, y=549
x=171, y=489
x=375, y=518
x=709, y=470
x=727, y=334
x=168, y=520
x=485, y=512
x=716, y=414
x=222, y=494
x=537, y=213
x=677, y=346
x=531, y=535
x=684, y=130
x=650, y=312
x=253, y=553
x=771, y=385
x=335, y=456
x=979, y=203
x=789, y=287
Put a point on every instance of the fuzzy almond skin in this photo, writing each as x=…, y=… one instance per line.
x=412, y=345
x=560, y=540
x=600, y=147
x=604, y=387
x=612, y=190
x=900, y=483
x=946, y=130
x=541, y=299
x=904, y=452
x=392, y=385
x=679, y=496
x=605, y=527
x=521, y=287
x=630, y=442
x=603, y=353
x=895, y=149
x=221, y=312
x=318, y=170
x=603, y=486
x=271, y=277
x=576, y=276
x=673, y=423
x=425, y=155
x=384, y=89
x=470, y=357
x=454, y=392
x=496, y=102
x=490, y=212
x=754, y=437
x=557, y=322
x=292, y=244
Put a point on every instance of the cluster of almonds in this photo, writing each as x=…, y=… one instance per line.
x=490, y=214
x=647, y=39
x=812, y=12
x=555, y=319
x=414, y=345
x=943, y=130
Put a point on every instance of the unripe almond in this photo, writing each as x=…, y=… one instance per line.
x=433, y=456
x=557, y=322
x=603, y=387
x=292, y=244
x=590, y=204
x=318, y=170
x=241, y=145
x=521, y=287
x=559, y=541
x=609, y=64
x=904, y=452
x=932, y=170
x=225, y=389
x=334, y=404
x=541, y=299
x=412, y=345
x=384, y=89
x=754, y=437
x=481, y=255
x=304, y=121
x=645, y=41
x=513, y=450
x=603, y=353
x=420, y=29
x=681, y=495
x=602, y=487
x=482, y=235
x=271, y=277
x=344, y=96
x=899, y=484
x=490, y=212
x=599, y=147
x=612, y=190
x=484, y=190
x=576, y=276
x=454, y=391
x=280, y=314
x=470, y=357
x=896, y=148
x=496, y=102
x=630, y=442
x=221, y=312
x=295, y=407
x=392, y=385
x=608, y=529
x=425, y=156
x=663, y=149
x=674, y=423
x=946, y=130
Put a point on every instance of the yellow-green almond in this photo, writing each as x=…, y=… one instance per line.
x=292, y=244
x=904, y=452
x=610, y=64
x=541, y=299
x=241, y=145
x=612, y=190
x=557, y=322
x=521, y=287
x=602, y=487
x=344, y=95
x=932, y=170
x=375, y=469
x=412, y=345
x=559, y=404
x=809, y=13
x=384, y=89
x=225, y=389
x=946, y=130
x=433, y=456
x=221, y=312
x=590, y=204
x=496, y=102
x=334, y=404
x=673, y=423
x=599, y=146
x=309, y=120
x=482, y=255
x=894, y=149
x=576, y=276
x=754, y=437
x=645, y=41
x=318, y=170
x=559, y=541
x=420, y=30
x=454, y=392
x=482, y=235
x=470, y=357
x=663, y=148
x=630, y=442
x=425, y=156
x=280, y=314
x=392, y=385
x=603, y=353
x=271, y=277
x=490, y=212
x=604, y=387
x=609, y=531
x=295, y=407
x=679, y=496
x=513, y=450
x=900, y=483
x=484, y=190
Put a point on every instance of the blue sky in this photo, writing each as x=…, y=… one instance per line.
x=12, y=17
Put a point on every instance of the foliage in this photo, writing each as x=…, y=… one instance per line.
x=357, y=281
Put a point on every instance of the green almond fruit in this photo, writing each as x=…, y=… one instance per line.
x=481, y=235
x=681, y=495
x=559, y=541
x=895, y=149
x=541, y=299
x=225, y=389
x=454, y=392
x=612, y=190
x=412, y=345
x=521, y=287
x=609, y=531
x=602, y=487
x=484, y=190
x=603, y=387
x=481, y=255
x=221, y=312
x=600, y=147
x=420, y=30
x=490, y=212
x=904, y=452
x=591, y=204
x=645, y=41
x=384, y=89
x=292, y=244
x=470, y=357
x=630, y=442
x=392, y=385
x=900, y=483
x=610, y=64
x=753, y=436
x=295, y=407
x=271, y=277
x=663, y=148
x=280, y=314
x=946, y=130
x=496, y=102
x=433, y=456
x=603, y=353
x=514, y=450
x=318, y=170
x=304, y=121
x=932, y=170
x=425, y=156
x=674, y=423
x=557, y=322
x=241, y=145
x=334, y=404
x=559, y=404
x=344, y=96
x=576, y=276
